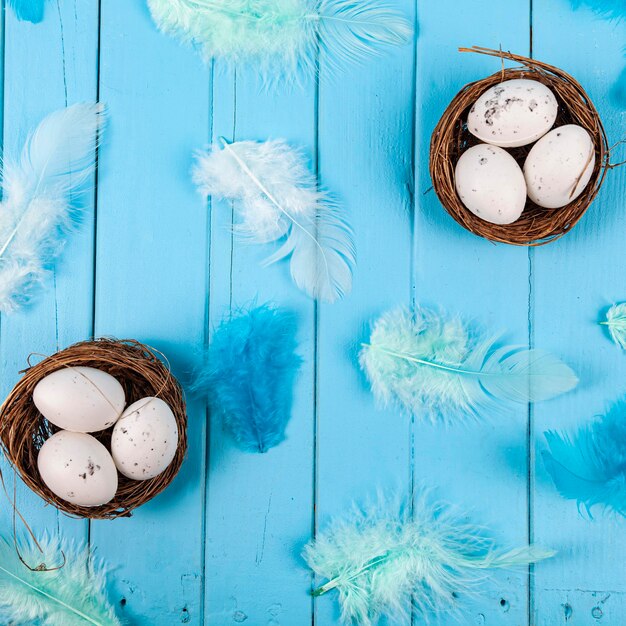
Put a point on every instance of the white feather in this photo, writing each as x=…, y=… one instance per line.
x=277, y=197
x=57, y=158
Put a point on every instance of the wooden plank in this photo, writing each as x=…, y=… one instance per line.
x=57, y=58
x=365, y=152
x=481, y=467
x=574, y=279
x=259, y=505
x=151, y=285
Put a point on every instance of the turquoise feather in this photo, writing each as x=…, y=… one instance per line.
x=28, y=10
x=282, y=35
x=616, y=324
x=437, y=367
x=72, y=595
x=249, y=375
x=590, y=465
x=607, y=8
x=393, y=555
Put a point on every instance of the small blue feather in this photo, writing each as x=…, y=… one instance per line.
x=590, y=466
x=607, y=8
x=249, y=375
x=28, y=10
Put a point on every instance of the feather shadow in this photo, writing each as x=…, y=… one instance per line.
x=619, y=90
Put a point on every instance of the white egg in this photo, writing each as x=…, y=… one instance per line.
x=78, y=468
x=513, y=113
x=81, y=399
x=145, y=439
x=559, y=166
x=491, y=184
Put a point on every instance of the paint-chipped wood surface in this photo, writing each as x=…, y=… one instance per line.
x=153, y=262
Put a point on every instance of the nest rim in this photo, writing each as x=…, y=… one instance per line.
x=537, y=226
x=142, y=373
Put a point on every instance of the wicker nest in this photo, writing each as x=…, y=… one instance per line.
x=536, y=226
x=137, y=367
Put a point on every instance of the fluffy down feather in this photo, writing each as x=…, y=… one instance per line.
x=277, y=198
x=590, y=466
x=36, y=211
x=438, y=368
x=388, y=557
x=282, y=35
x=29, y=10
x=616, y=324
x=73, y=595
x=249, y=376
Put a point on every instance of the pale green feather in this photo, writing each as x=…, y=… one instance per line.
x=436, y=367
x=73, y=595
x=282, y=36
x=616, y=324
x=392, y=555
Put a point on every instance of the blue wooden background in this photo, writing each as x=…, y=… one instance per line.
x=151, y=261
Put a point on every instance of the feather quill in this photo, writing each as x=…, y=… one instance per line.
x=616, y=324
x=277, y=198
x=387, y=557
x=282, y=35
x=438, y=368
x=73, y=595
x=249, y=375
x=590, y=465
x=28, y=10
x=36, y=210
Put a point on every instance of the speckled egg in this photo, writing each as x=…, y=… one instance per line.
x=78, y=468
x=81, y=399
x=145, y=439
x=559, y=166
x=513, y=113
x=491, y=184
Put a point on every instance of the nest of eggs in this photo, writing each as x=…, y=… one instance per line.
x=23, y=430
x=451, y=138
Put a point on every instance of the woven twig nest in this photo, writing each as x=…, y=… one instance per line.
x=141, y=373
x=536, y=226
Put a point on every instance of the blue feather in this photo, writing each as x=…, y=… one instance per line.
x=607, y=8
x=249, y=374
x=590, y=466
x=28, y=10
